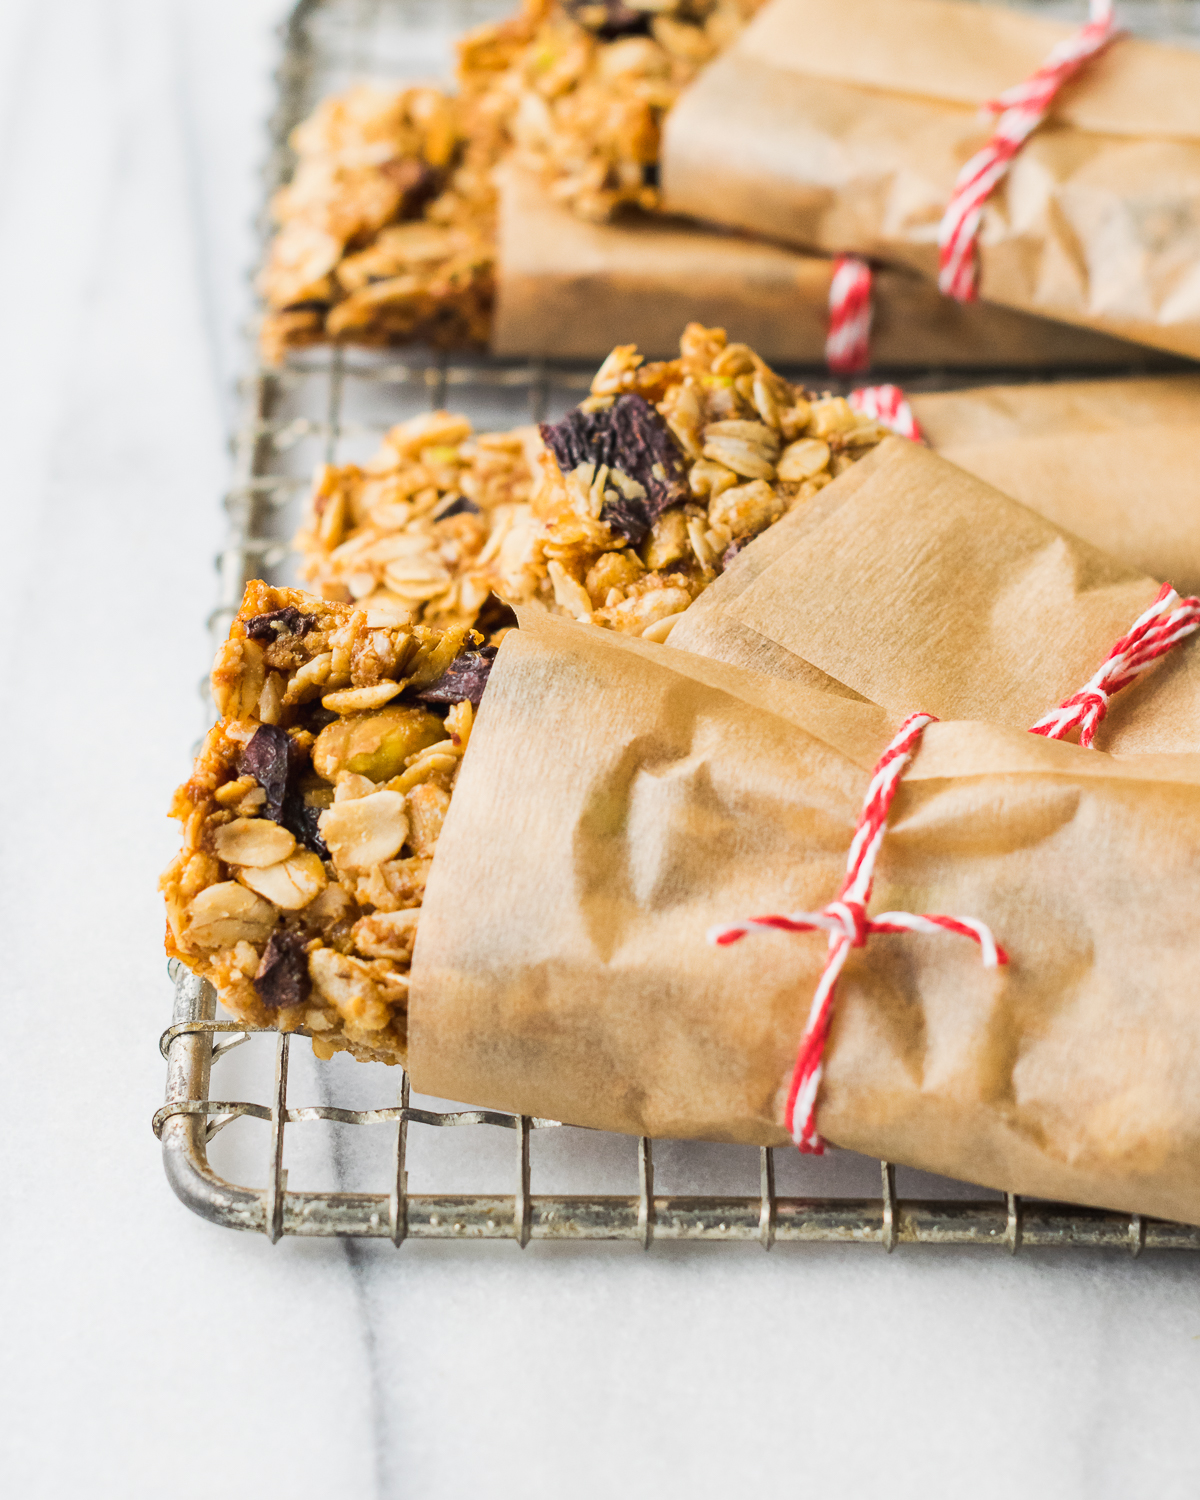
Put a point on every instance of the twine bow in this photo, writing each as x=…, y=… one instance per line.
x=1168, y=621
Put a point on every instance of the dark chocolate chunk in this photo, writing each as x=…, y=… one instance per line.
x=418, y=183
x=495, y=615
x=650, y=173
x=308, y=304
x=269, y=758
x=630, y=436
x=733, y=549
x=282, y=979
x=609, y=18
x=300, y=820
x=289, y=621
x=460, y=507
x=463, y=680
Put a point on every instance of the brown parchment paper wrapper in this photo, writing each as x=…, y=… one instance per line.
x=619, y=798
x=843, y=128
x=565, y=288
x=918, y=586
x=1117, y=462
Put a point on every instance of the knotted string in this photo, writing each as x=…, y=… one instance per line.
x=1168, y=621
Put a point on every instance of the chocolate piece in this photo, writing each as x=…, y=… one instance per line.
x=609, y=18
x=632, y=439
x=301, y=821
x=460, y=507
x=418, y=183
x=282, y=977
x=733, y=549
x=268, y=758
x=463, y=680
x=289, y=621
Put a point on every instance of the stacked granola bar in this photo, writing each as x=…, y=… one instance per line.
x=621, y=514
x=387, y=229
x=312, y=814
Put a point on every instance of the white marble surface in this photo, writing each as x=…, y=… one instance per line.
x=144, y=1352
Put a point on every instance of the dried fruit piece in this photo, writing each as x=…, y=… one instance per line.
x=288, y=621
x=634, y=443
x=464, y=679
x=282, y=977
x=269, y=759
x=609, y=18
x=460, y=506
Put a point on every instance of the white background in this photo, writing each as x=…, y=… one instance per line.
x=145, y=1353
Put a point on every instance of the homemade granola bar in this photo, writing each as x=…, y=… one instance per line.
x=621, y=514
x=312, y=813
x=387, y=229
x=586, y=95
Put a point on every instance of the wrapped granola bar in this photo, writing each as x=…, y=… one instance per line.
x=621, y=798
x=1116, y=462
x=563, y=284
x=312, y=813
x=979, y=608
x=387, y=228
x=619, y=515
x=844, y=129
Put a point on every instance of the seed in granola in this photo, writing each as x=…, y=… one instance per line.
x=634, y=442
x=609, y=18
x=459, y=506
x=270, y=759
x=802, y=460
x=464, y=679
x=270, y=627
x=375, y=744
x=282, y=977
x=747, y=509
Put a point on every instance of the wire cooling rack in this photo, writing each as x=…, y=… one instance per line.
x=476, y=1182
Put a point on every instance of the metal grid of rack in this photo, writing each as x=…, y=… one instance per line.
x=332, y=406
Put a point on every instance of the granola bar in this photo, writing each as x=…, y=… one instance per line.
x=387, y=230
x=312, y=813
x=620, y=515
x=585, y=97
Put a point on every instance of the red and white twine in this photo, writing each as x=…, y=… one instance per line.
x=1168, y=621
x=848, y=342
x=1021, y=110
x=889, y=405
x=848, y=925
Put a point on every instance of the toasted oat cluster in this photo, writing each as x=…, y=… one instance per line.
x=621, y=514
x=387, y=229
x=432, y=528
x=585, y=97
x=312, y=814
